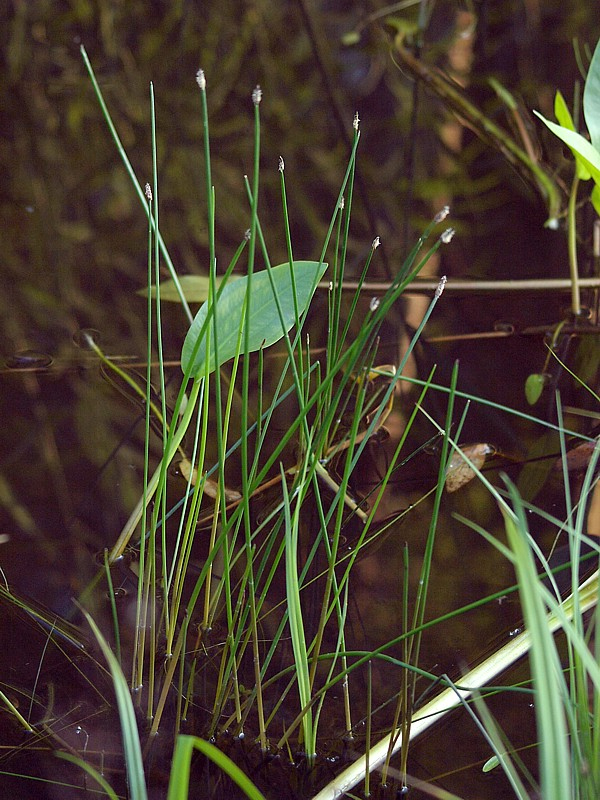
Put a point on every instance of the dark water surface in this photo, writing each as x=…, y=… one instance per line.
x=74, y=256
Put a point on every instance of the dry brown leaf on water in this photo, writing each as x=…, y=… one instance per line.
x=578, y=458
x=461, y=472
x=211, y=488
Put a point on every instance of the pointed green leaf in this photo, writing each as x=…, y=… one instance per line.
x=563, y=115
x=591, y=99
x=266, y=325
x=581, y=148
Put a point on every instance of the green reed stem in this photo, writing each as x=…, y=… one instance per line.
x=136, y=185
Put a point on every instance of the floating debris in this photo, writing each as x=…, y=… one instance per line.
x=460, y=472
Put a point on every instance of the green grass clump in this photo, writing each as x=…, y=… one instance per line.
x=241, y=628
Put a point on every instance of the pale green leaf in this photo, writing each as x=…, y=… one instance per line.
x=563, y=115
x=534, y=386
x=591, y=99
x=195, y=289
x=581, y=148
x=266, y=326
x=491, y=764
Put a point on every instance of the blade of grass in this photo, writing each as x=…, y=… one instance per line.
x=548, y=681
x=129, y=731
x=136, y=184
x=91, y=771
x=179, y=783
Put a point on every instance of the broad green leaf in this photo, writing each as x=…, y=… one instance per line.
x=195, y=289
x=591, y=99
x=534, y=386
x=266, y=326
x=563, y=115
x=584, y=150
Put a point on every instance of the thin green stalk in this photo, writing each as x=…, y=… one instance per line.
x=421, y=598
x=352, y=310
x=288, y=240
x=158, y=476
x=201, y=81
x=159, y=343
x=338, y=340
x=136, y=185
x=368, y=728
x=572, y=242
x=139, y=640
x=125, y=377
x=221, y=427
x=256, y=98
x=12, y=709
x=113, y=606
x=186, y=531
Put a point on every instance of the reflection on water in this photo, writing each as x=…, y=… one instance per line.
x=28, y=359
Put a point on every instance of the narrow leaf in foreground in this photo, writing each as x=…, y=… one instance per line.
x=129, y=731
x=179, y=783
